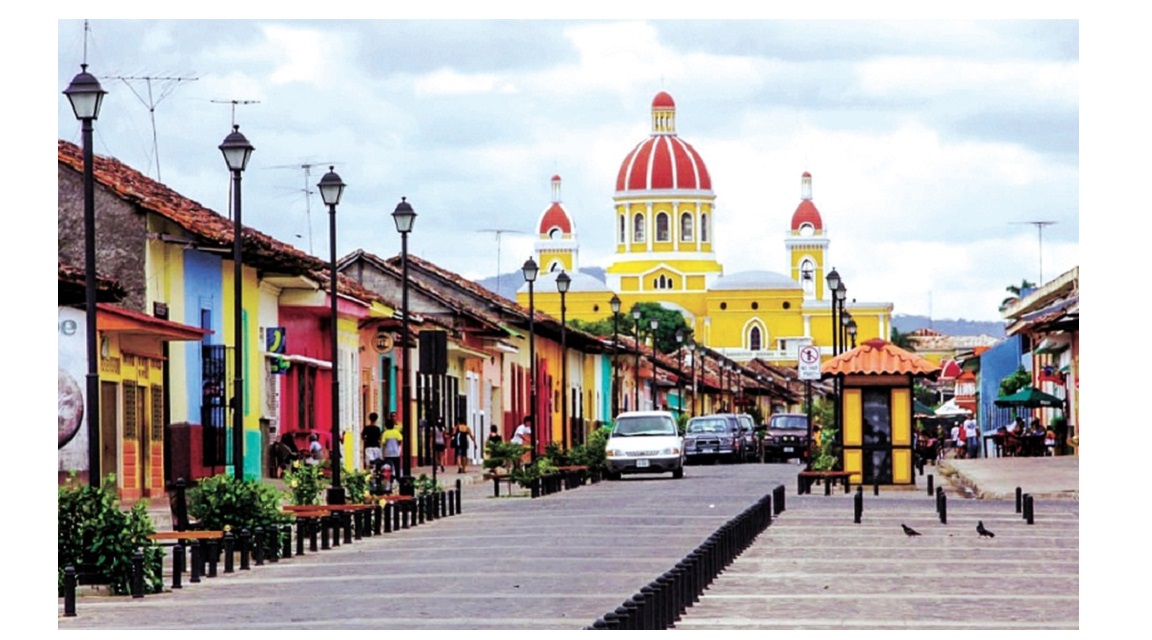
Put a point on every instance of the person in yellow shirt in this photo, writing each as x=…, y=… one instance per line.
x=392, y=440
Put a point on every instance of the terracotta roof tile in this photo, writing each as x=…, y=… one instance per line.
x=878, y=357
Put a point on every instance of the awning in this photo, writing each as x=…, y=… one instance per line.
x=113, y=319
x=1053, y=343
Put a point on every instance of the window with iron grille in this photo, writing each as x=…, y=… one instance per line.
x=157, y=413
x=214, y=414
x=129, y=405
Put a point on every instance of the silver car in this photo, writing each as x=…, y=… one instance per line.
x=644, y=442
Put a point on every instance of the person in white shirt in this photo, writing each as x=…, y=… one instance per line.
x=523, y=435
x=972, y=431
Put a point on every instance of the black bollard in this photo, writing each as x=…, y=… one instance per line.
x=325, y=523
x=640, y=600
x=799, y=485
x=611, y=621
x=334, y=524
x=213, y=557
x=779, y=502
x=380, y=520
x=177, y=566
x=387, y=516
x=69, y=592
x=459, y=492
x=943, y=508
x=496, y=486
x=138, y=574
x=1028, y=508
x=258, y=546
x=930, y=484
x=627, y=613
x=346, y=518
x=229, y=546
x=875, y=488
x=287, y=551
x=1019, y=500
x=827, y=487
x=245, y=548
x=197, y=563
x=859, y=505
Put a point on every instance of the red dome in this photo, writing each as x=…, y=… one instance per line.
x=663, y=101
x=663, y=161
x=555, y=217
x=807, y=212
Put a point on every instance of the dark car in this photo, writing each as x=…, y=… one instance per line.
x=786, y=437
x=714, y=437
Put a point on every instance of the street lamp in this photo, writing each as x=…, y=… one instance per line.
x=531, y=270
x=851, y=328
x=841, y=294
x=563, y=281
x=237, y=150
x=331, y=188
x=636, y=371
x=695, y=389
x=833, y=280
x=405, y=216
x=85, y=95
x=653, y=323
x=680, y=370
x=615, y=305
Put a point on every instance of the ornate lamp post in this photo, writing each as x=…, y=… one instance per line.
x=237, y=151
x=653, y=323
x=695, y=389
x=531, y=270
x=851, y=329
x=833, y=280
x=563, y=281
x=615, y=305
x=405, y=216
x=636, y=371
x=331, y=188
x=86, y=95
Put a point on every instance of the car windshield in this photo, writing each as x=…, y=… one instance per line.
x=708, y=425
x=644, y=426
x=789, y=422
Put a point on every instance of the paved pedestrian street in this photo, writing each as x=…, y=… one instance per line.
x=815, y=569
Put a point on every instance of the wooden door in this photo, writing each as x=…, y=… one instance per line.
x=109, y=409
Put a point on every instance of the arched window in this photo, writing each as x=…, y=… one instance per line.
x=754, y=339
x=703, y=227
x=638, y=228
x=686, y=227
x=623, y=226
x=555, y=233
x=662, y=234
x=555, y=267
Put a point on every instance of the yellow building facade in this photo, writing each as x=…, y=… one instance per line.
x=663, y=219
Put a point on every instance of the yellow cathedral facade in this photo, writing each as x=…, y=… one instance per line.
x=664, y=216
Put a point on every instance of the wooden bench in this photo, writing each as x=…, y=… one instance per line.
x=806, y=478
x=496, y=479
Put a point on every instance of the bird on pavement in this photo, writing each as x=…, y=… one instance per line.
x=984, y=533
x=909, y=531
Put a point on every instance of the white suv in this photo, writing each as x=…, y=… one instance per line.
x=645, y=442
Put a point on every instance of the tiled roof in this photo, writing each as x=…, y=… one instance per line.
x=75, y=278
x=260, y=250
x=878, y=357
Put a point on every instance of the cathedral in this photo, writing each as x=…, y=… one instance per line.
x=664, y=212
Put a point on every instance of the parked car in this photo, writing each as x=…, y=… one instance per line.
x=748, y=434
x=644, y=442
x=713, y=437
x=786, y=437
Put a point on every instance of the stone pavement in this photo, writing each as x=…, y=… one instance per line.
x=990, y=478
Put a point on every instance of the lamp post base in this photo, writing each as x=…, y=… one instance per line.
x=336, y=495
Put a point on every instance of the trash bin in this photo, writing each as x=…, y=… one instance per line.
x=407, y=486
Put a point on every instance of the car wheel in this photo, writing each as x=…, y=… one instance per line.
x=678, y=473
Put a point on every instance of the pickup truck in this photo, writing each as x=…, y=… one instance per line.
x=786, y=437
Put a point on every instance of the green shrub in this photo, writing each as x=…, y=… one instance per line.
x=92, y=529
x=223, y=503
x=305, y=482
x=503, y=454
x=425, y=484
x=356, y=487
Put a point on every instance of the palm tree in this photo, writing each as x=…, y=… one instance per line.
x=1017, y=292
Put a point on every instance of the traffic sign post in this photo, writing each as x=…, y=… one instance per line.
x=809, y=363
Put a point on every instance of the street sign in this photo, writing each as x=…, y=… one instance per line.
x=809, y=363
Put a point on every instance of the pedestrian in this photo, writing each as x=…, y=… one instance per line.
x=393, y=441
x=494, y=435
x=460, y=442
x=440, y=438
x=959, y=439
x=523, y=437
x=972, y=433
x=371, y=438
x=315, y=451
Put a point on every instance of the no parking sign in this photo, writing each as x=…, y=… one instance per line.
x=809, y=363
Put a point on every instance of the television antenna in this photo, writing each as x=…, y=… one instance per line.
x=1039, y=224
x=499, y=232
x=234, y=103
x=168, y=84
x=308, y=190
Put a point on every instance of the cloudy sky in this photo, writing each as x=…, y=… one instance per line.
x=933, y=145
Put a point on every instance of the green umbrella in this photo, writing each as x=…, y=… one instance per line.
x=1029, y=397
x=922, y=410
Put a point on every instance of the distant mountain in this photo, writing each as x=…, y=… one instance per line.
x=510, y=283
x=906, y=324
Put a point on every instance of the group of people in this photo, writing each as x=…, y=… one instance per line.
x=966, y=438
x=1016, y=439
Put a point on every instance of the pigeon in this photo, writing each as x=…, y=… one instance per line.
x=984, y=533
x=909, y=531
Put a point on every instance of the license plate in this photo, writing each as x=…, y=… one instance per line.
x=787, y=449
x=641, y=464
x=707, y=451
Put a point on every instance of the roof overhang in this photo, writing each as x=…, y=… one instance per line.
x=113, y=319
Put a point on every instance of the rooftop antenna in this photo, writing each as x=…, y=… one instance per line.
x=1039, y=224
x=499, y=232
x=308, y=191
x=171, y=82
